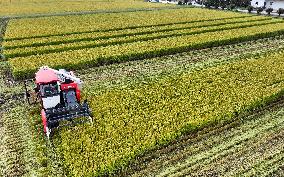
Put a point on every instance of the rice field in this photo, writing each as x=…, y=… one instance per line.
x=197, y=94
x=31, y=7
x=27, y=50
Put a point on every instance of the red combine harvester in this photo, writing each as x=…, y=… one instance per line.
x=59, y=94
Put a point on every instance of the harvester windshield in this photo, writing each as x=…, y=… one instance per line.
x=48, y=90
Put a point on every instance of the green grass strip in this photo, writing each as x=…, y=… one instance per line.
x=22, y=52
x=130, y=121
x=25, y=67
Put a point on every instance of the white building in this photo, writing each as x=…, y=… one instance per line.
x=275, y=4
x=169, y=1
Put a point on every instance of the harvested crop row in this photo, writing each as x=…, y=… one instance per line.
x=254, y=139
x=259, y=137
x=132, y=120
x=49, y=26
x=24, y=67
x=269, y=164
x=11, y=44
x=22, y=52
x=23, y=149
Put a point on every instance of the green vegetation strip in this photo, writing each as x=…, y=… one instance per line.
x=25, y=67
x=23, y=52
x=129, y=121
x=44, y=41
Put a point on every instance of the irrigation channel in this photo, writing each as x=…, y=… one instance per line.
x=251, y=144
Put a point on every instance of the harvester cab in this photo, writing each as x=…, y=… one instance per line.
x=58, y=92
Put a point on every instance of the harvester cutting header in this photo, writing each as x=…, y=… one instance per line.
x=58, y=91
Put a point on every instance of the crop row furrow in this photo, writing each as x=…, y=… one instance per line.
x=204, y=144
x=244, y=156
x=121, y=33
x=267, y=165
x=23, y=52
x=223, y=149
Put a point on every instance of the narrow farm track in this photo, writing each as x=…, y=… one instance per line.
x=251, y=145
x=3, y=25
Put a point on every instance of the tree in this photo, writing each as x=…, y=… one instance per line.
x=209, y=3
x=231, y=6
x=250, y=8
x=280, y=11
x=223, y=4
x=269, y=10
x=259, y=10
x=240, y=3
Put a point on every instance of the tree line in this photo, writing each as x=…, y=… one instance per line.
x=225, y=3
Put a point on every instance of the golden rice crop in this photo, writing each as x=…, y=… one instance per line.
x=25, y=7
x=46, y=26
x=129, y=121
x=42, y=41
x=24, y=67
x=27, y=51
